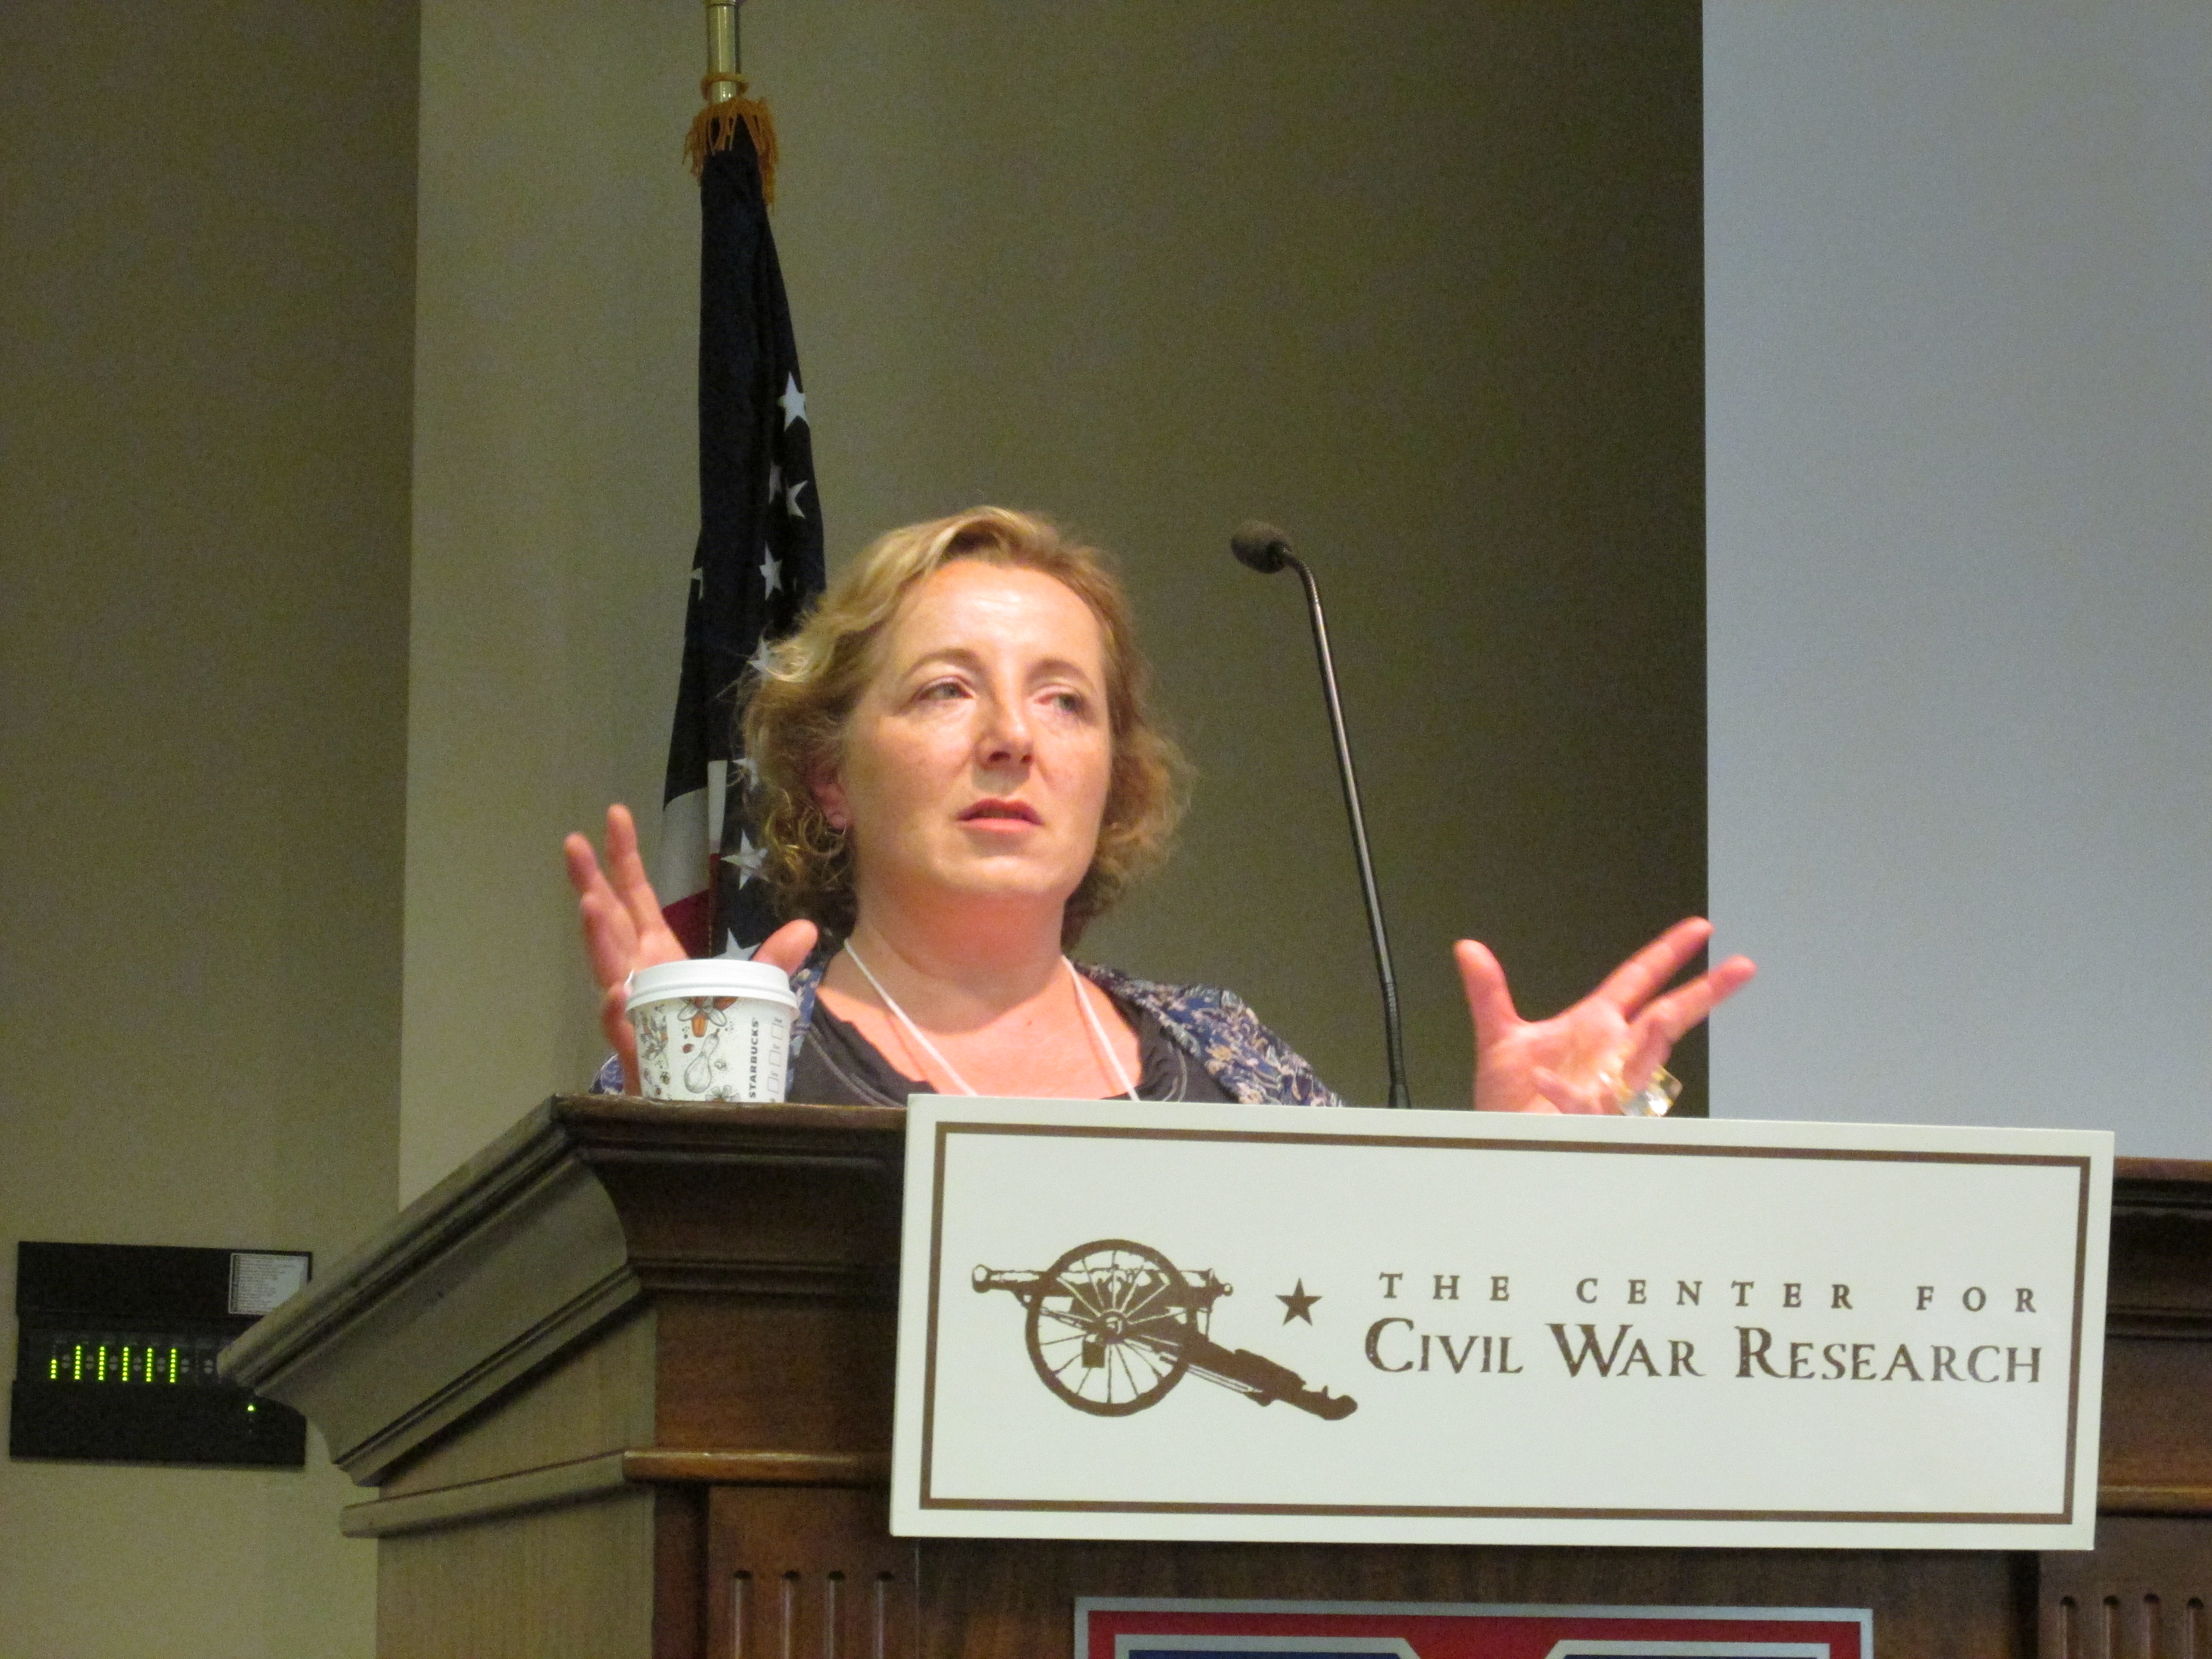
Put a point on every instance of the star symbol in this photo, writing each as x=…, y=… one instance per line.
x=758, y=661
x=793, y=400
x=1297, y=1304
x=747, y=861
x=774, y=481
x=751, y=767
x=791, y=499
x=699, y=579
x=771, y=569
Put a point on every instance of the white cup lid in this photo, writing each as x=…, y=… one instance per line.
x=711, y=976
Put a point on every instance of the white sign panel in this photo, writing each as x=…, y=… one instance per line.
x=1276, y=1323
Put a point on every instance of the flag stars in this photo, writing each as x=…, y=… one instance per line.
x=758, y=661
x=793, y=401
x=771, y=569
x=777, y=488
x=748, y=861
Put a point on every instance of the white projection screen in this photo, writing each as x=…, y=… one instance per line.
x=1958, y=336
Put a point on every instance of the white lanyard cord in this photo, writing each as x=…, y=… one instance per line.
x=1097, y=1031
x=1098, y=1034
x=912, y=1029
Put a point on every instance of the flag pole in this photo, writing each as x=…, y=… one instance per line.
x=727, y=107
x=723, y=58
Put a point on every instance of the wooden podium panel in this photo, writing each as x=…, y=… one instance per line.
x=623, y=1386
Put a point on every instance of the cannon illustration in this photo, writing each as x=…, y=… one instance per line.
x=1113, y=1325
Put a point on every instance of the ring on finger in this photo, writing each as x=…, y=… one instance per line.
x=1655, y=1099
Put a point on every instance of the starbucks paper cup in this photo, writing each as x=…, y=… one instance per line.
x=712, y=1028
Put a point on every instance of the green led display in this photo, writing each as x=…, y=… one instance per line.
x=90, y=1356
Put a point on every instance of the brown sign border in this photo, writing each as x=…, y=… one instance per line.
x=947, y=1129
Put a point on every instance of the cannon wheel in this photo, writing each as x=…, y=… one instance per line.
x=1108, y=1291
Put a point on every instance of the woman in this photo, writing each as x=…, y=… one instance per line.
x=958, y=772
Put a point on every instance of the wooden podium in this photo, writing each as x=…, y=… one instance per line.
x=623, y=1384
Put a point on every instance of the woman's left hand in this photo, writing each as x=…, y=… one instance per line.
x=624, y=930
x=1604, y=1049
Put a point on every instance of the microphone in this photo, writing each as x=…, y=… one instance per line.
x=1266, y=549
x=1261, y=546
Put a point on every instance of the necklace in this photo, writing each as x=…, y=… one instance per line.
x=1089, y=1017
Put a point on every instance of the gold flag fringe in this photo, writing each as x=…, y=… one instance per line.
x=716, y=127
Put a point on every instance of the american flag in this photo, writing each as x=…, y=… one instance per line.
x=759, y=560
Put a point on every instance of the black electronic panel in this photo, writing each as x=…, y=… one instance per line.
x=115, y=1355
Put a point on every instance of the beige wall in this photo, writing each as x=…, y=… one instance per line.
x=554, y=511
x=1421, y=282
x=204, y=292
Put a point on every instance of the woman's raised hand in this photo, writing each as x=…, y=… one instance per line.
x=1605, y=1048
x=624, y=930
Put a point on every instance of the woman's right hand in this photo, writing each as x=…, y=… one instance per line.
x=624, y=930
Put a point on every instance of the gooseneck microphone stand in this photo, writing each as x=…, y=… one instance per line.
x=1266, y=549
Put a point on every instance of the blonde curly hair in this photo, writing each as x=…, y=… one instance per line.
x=794, y=713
